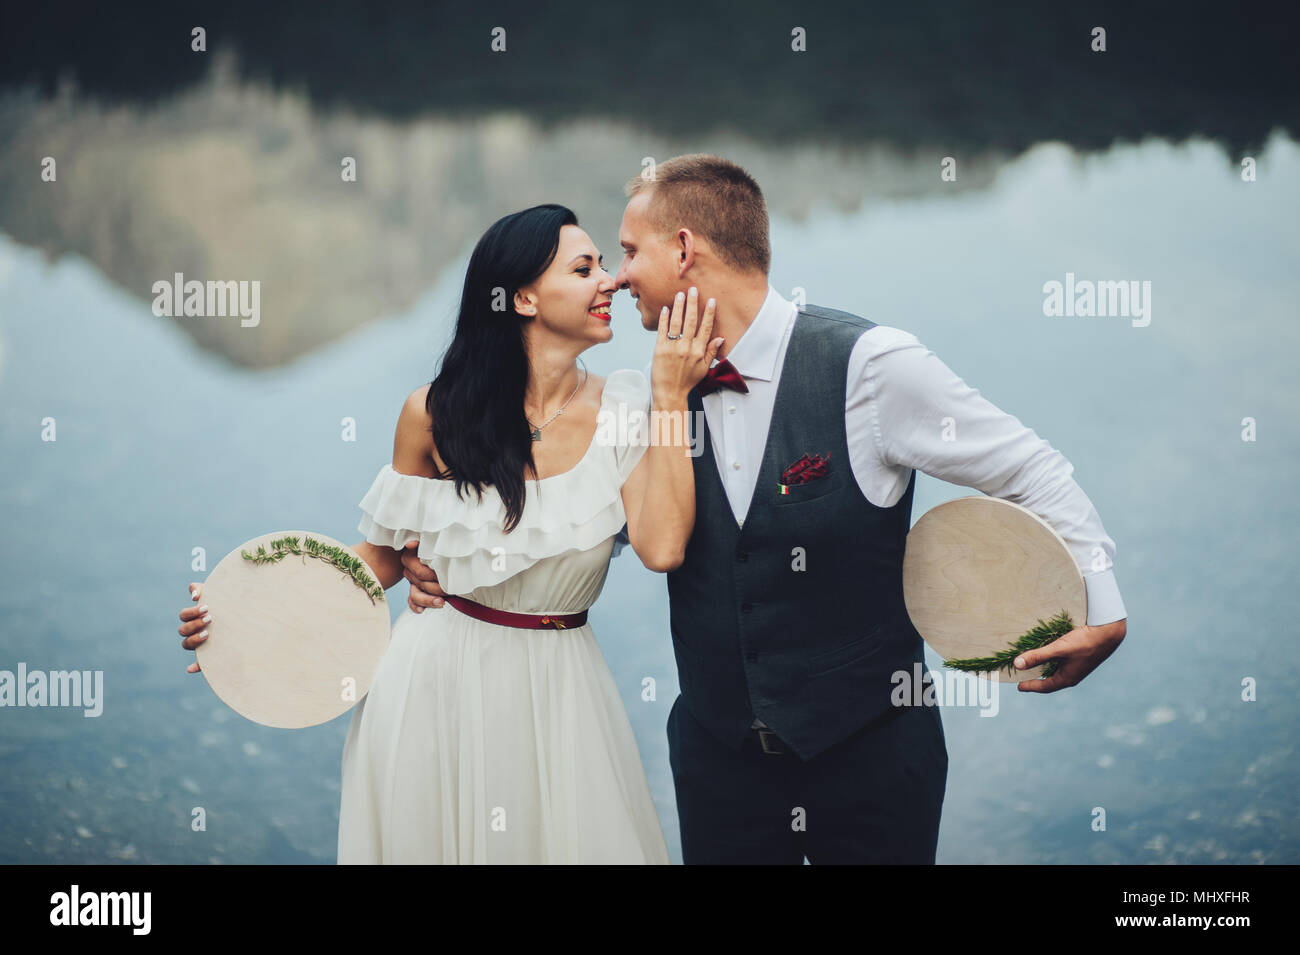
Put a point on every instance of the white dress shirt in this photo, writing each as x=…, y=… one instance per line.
x=896, y=400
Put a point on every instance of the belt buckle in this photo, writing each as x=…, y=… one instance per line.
x=776, y=748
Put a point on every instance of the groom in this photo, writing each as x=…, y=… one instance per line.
x=787, y=614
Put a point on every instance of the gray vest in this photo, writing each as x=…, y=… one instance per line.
x=798, y=617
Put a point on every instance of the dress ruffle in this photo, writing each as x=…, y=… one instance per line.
x=463, y=539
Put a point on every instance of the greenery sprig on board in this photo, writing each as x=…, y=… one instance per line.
x=1040, y=636
x=285, y=546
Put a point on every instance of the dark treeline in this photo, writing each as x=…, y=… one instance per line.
x=999, y=75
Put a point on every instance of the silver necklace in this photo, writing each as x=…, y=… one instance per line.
x=537, y=429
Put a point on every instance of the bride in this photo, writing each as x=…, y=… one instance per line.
x=493, y=731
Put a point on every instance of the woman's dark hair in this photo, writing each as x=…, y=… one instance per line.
x=477, y=400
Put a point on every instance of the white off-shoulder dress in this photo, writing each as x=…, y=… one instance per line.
x=481, y=743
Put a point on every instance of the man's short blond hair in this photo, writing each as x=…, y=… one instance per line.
x=716, y=200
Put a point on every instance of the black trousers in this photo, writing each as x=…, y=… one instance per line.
x=875, y=797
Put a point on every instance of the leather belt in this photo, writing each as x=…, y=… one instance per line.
x=508, y=618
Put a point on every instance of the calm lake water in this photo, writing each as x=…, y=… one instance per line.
x=164, y=446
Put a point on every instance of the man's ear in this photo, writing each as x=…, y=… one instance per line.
x=685, y=251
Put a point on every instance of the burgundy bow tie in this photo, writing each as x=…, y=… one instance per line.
x=722, y=375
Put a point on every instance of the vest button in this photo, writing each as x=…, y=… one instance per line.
x=742, y=555
x=746, y=607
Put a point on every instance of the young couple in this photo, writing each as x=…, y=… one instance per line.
x=493, y=732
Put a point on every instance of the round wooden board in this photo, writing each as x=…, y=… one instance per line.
x=978, y=572
x=286, y=637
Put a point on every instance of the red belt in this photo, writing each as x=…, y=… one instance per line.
x=524, y=621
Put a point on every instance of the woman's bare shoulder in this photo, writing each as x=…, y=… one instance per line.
x=413, y=448
x=417, y=406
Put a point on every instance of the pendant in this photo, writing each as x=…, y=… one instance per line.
x=537, y=434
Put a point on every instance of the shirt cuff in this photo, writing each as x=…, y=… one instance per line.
x=1105, y=605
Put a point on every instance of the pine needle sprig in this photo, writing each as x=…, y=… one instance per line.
x=337, y=556
x=1040, y=636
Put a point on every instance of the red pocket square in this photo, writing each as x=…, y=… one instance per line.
x=806, y=469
